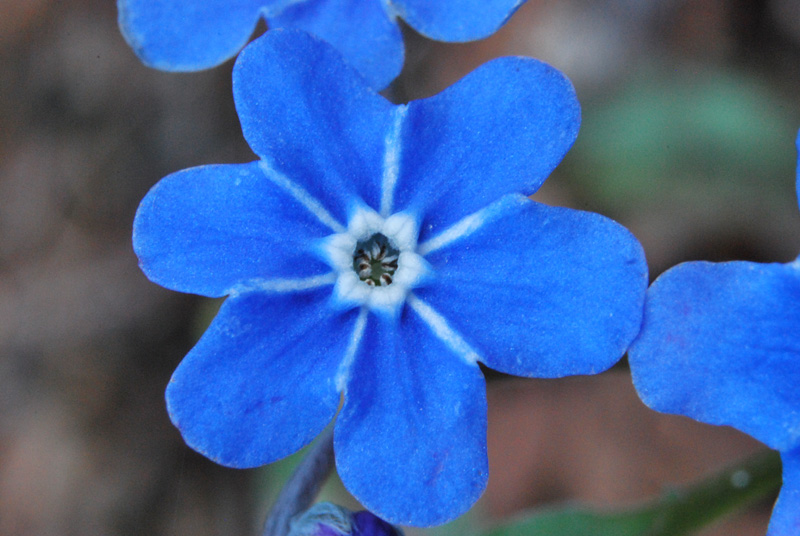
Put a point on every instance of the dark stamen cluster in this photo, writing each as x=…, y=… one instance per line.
x=375, y=260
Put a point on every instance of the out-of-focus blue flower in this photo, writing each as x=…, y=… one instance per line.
x=189, y=35
x=381, y=252
x=720, y=343
x=326, y=519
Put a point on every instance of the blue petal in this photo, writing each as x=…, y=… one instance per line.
x=786, y=514
x=208, y=229
x=456, y=20
x=362, y=31
x=312, y=118
x=410, y=440
x=181, y=35
x=719, y=343
x=541, y=291
x=501, y=129
x=260, y=383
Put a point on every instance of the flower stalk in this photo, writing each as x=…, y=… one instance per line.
x=303, y=486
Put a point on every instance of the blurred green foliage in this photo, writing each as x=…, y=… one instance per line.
x=676, y=513
x=676, y=130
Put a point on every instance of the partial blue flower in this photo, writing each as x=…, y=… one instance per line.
x=720, y=343
x=380, y=253
x=190, y=35
x=326, y=519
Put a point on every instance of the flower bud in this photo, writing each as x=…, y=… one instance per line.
x=326, y=519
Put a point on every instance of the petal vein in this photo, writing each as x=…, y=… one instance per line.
x=355, y=338
x=442, y=330
x=282, y=286
x=469, y=224
x=391, y=161
x=301, y=196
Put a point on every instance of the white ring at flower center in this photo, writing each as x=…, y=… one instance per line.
x=338, y=249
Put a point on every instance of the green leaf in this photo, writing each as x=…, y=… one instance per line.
x=579, y=522
x=676, y=513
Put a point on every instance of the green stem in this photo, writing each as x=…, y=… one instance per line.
x=303, y=486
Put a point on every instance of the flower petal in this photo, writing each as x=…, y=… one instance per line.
x=362, y=31
x=786, y=514
x=178, y=35
x=260, y=384
x=410, y=440
x=208, y=229
x=539, y=291
x=719, y=344
x=312, y=118
x=456, y=20
x=501, y=129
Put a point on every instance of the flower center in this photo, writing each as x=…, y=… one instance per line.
x=375, y=260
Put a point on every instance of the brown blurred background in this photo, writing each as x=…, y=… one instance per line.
x=690, y=107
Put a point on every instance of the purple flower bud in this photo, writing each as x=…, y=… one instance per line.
x=326, y=519
x=368, y=524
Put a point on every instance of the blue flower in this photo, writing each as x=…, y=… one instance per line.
x=189, y=35
x=720, y=343
x=379, y=252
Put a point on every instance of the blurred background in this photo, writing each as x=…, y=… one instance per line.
x=690, y=112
